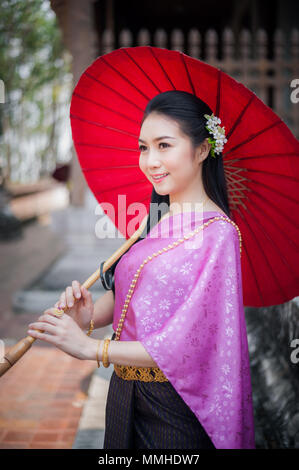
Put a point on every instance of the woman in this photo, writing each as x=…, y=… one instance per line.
x=182, y=326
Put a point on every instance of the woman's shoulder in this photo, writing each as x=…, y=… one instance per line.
x=214, y=208
x=228, y=228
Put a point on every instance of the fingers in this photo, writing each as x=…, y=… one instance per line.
x=76, y=291
x=40, y=335
x=67, y=298
x=86, y=295
x=48, y=322
x=62, y=301
x=44, y=326
x=49, y=316
x=48, y=327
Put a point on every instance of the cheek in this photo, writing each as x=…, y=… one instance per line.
x=183, y=175
x=179, y=167
x=141, y=164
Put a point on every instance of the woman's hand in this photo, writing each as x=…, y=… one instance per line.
x=80, y=310
x=62, y=332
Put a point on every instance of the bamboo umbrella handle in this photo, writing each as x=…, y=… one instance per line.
x=19, y=349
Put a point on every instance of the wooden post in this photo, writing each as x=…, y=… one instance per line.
x=75, y=19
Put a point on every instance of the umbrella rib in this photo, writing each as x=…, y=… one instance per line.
x=271, y=271
x=248, y=157
x=120, y=186
x=98, y=124
x=125, y=78
x=109, y=167
x=248, y=257
x=218, y=93
x=276, y=191
x=161, y=67
x=137, y=65
x=290, y=241
x=187, y=72
x=244, y=248
x=272, y=221
x=234, y=183
x=263, y=198
x=280, y=175
x=252, y=136
x=230, y=169
x=105, y=146
x=114, y=91
x=238, y=186
x=239, y=117
x=105, y=107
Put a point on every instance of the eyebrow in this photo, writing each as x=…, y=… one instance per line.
x=159, y=138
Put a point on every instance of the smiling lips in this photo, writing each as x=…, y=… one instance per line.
x=159, y=177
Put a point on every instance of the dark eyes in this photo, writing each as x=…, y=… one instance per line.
x=161, y=143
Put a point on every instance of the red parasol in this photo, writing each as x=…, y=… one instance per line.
x=261, y=157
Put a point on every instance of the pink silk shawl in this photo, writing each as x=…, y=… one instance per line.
x=187, y=311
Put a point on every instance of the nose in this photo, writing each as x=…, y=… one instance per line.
x=153, y=160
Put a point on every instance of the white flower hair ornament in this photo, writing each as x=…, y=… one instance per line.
x=218, y=133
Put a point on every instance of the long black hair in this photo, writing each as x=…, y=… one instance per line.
x=188, y=111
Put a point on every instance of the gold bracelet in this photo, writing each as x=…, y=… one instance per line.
x=105, y=359
x=91, y=326
x=97, y=355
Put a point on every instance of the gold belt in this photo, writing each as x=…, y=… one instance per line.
x=145, y=374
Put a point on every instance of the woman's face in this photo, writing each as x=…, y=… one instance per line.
x=173, y=154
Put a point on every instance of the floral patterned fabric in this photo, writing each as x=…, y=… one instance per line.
x=187, y=311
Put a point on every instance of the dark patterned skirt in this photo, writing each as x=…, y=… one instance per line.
x=150, y=415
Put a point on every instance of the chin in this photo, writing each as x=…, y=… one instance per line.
x=161, y=192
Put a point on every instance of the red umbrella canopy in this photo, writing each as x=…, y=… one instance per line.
x=260, y=157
